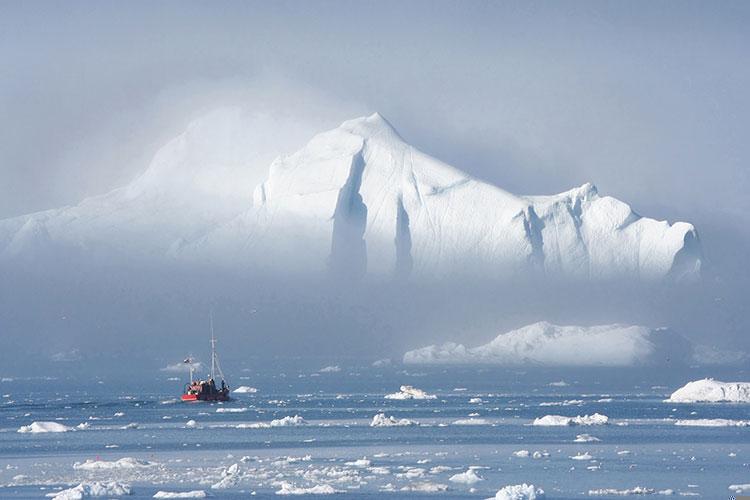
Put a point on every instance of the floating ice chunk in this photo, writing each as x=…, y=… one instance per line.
x=712, y=391
x=409, y=392
x=83, y=426
x=318, y=489
x=425, y=487
x=131, y=425
x=519, y=492
x=559, y=383
x=713, y=422
x=471, y=421
x=638, y=490
x=330, y=369
x=244, y=389
x=585, y=438
x=380, y=363
x=582, y=456
x=521, y=453
x=740, y=488
x=381, y=420
x=558, y=420
x=181, y=494
x=476, y=401
x=123, y=463
x=95, y=489
x=42, y=427
x=191, y=424
x=281, y=422
x=230, y=477
x=468, y=477
x=360, y=462
x=231, y=410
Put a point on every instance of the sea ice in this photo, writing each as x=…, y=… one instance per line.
x=244, y=389
x=713, y=422
x=181, y=494
x=319, y=489
x=123, y=463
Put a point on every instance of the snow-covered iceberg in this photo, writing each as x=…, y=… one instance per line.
x=709, y=390
x=547, y=344
x=360, y=200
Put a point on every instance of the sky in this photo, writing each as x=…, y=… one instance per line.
x=647, y=100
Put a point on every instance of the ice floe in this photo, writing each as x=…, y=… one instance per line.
x=585, y=438
x=287, y=488
x=123, y=463
x=279, y=422
x=709, y=390
x=180, y=494
x=244, y=389
x=381, y=420
x=468, y=477
x=409, y=392
x=638, y=490
x=519, y=492
x=94, y=489
x=43, y=427
x=712, y=422
x=559, y=420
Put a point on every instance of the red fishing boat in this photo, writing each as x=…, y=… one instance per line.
x=206, y=390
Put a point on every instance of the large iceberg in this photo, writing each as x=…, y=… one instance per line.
x=709, y=390
x=362, y=202
x=547, y=344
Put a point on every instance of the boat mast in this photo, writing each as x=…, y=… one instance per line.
x=213, y=344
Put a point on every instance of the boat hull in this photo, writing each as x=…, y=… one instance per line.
x=191, y=398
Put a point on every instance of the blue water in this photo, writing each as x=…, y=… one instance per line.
x=640, y=446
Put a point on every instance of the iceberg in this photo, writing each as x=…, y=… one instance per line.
x=709, y=390
x=123, y=463
x=180, y=494
x=409, y=392
x=468, y=477
x=547, y=344
x=712, y=422
x=319, y=489
x=244, y=389
x=361, y=201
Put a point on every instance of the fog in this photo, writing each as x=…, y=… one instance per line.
x=647, y=101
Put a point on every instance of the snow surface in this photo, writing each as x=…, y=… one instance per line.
x=43, y=427
x=94, y=489
x=712, y=391
x=519, y=492
x=547, y=344
x=409, y=392
x=358, y=199
x=558, y=420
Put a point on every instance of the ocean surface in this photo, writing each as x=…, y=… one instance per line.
x=471, y=440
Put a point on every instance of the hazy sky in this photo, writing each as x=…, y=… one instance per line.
x=647, y=100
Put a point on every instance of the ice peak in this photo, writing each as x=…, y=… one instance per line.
x=371, y=126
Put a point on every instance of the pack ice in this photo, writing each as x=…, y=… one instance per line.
x=361, y=201
x=547, y=344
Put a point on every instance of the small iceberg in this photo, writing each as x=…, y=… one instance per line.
x=244, y=389
x=519, y=492
x=95, y=489
x=409, y=392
